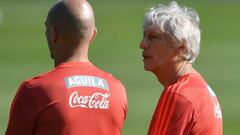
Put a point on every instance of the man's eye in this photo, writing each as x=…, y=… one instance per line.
x=152, y=37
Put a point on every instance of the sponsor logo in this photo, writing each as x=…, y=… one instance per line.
x=217, y=110
x=95, y=101
x=211, y=91
x=89, y=81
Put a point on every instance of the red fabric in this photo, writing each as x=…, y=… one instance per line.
x=188, y=107
x=47, y=105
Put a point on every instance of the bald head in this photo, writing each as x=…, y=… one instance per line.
x=72, y=19
x=70, y=28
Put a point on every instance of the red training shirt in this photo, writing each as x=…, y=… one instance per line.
x=72, y=99
x=188, y=107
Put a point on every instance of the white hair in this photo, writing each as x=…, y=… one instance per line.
x=181, y=23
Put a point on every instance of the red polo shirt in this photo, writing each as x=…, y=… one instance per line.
x=188, y=107
x=72, y=99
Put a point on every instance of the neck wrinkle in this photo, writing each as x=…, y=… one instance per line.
x=169, y=76
x=76, y=54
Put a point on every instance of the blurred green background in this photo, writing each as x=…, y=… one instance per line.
x=24, y=53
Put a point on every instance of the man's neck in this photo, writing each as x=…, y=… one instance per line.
x=72, y=59
x=79, y=54
x=169, y=76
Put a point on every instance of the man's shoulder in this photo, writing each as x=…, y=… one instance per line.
x=58, y=76
x=192, y=82
x=191, y=87
x=195, y=90
x=108, y=76
x=38, y=80
x=113, y=80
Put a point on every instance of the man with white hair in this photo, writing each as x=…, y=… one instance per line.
x=170, y=45
x=75, y=98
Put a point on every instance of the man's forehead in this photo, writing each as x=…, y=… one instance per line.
x=152, y=29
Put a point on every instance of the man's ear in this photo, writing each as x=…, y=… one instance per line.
x=182, y=48
x=180, y=51
x=54, y=34
x=94, y=34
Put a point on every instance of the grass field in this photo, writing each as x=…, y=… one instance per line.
x=24, y=53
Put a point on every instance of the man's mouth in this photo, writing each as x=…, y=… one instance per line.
x=146, y=56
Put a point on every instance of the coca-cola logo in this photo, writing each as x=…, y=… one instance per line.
x=96, y=100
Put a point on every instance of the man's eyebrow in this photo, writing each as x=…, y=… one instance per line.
x=153, y=32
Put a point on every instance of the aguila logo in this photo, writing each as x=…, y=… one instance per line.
x=95, y=101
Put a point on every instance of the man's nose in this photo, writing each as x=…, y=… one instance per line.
x=143, y=44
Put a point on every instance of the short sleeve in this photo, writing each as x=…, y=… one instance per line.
x=22, y=115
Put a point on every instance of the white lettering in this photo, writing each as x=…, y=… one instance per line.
x=89, y=81
x=93, y=82
x=71, y=82
x=100, y=83
x=96, y=100
x=217, y=110
x=84, y=80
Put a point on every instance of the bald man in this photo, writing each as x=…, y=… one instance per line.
x=75, y=98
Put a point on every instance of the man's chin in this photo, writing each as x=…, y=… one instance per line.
x=52, y=56
x=147, y=68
